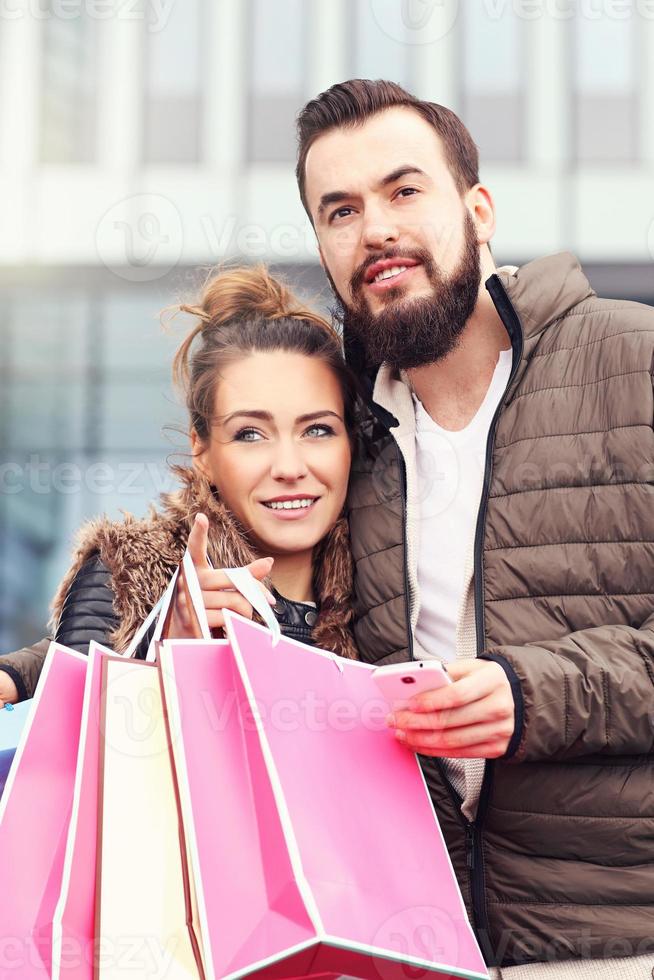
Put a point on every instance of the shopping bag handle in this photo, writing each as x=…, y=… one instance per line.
x=244, y=582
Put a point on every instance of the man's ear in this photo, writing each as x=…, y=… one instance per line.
x=199, y=451
x=482, y=209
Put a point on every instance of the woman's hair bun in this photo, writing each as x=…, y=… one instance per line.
x=239, y=293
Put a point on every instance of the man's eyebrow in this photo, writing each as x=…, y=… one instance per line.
x=335, y=197
x=400, y=172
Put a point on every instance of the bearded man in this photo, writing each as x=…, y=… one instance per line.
x=502, y=520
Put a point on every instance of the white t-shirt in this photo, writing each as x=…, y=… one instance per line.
x=450, y=478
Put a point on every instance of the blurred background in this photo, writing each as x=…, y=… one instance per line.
x=142, y=141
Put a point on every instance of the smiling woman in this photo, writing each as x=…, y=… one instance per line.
x=271, y=417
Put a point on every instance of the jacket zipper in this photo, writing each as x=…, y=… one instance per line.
x=473, y=829
x=407, y=596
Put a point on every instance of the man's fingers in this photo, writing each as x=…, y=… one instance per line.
x=486, y=750
x=491, y=708
x=456, y=739
x=198, y=541
x=472, y=686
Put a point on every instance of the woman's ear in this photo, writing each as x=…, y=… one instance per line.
x=199, y=452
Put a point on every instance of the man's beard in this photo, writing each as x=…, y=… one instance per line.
x=409, y=333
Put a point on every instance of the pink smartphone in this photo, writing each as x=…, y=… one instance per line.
x=400, y=682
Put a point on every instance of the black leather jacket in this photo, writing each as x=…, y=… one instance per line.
x=88, y=612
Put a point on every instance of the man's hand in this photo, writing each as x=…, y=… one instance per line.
x=8, y=690
x=218, y=593
x=473, y=718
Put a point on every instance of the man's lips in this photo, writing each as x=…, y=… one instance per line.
x=399, y=278
x=385, y=266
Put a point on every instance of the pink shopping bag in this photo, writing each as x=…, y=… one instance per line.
x=314, y=848
x=80, y=951
x=74, y=945
x=34, y=816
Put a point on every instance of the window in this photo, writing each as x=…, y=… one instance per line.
x=173, y=85
x=69, y=88
x=379, y=46
x=493, y=82
x=605, y=73
x=277, y=72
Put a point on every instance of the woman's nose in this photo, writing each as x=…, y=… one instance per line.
x=289, y=463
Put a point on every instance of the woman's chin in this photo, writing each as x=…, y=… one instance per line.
x=287, y=538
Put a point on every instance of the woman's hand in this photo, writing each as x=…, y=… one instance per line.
x=218, y=593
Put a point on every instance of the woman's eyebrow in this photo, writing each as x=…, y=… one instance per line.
x=318, y=415
x=248, y=414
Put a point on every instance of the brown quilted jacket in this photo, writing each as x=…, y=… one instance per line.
x=559, y=862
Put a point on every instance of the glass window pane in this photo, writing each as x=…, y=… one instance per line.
x=173, y=85
x=380, y=49
x=606, y=71
x=47, y=414
x=493, y=106
x=134, y=339
x=69, y=88
x=134, y=415
x=48, y=333
x=277, y=72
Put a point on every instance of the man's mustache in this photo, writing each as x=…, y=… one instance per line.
x=419, y=255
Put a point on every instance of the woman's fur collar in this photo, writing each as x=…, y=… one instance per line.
x=142, y=555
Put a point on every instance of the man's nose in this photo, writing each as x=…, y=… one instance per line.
x=289, y=462
x=379, y=231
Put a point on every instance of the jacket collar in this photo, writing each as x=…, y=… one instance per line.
x=529, y=299
x=544, y=290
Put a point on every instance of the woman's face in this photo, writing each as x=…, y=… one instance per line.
x=278, y=451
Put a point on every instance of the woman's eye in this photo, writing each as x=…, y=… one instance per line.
x=316, y=431
x=247, y=435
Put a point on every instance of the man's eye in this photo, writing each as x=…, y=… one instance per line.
x=341, y=213
x=318, y=431
x=407, y=191
x=247, y=435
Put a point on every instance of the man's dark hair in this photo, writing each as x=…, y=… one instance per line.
x=352, y=102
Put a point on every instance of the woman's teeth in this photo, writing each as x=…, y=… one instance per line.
x=389, y=273
x=289, y=504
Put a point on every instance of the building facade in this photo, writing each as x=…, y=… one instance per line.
x=144, y=141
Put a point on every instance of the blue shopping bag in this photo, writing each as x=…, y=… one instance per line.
x=12, y=722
